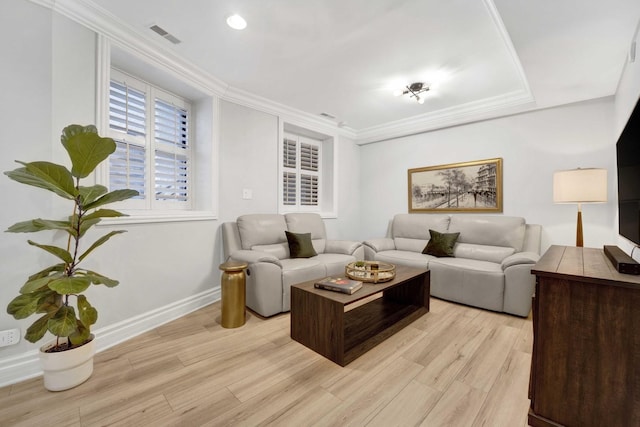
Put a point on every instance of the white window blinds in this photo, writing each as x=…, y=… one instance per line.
x=127, y=109
x=127, y=168
x=300, y=173
x=171, y=159
x=153, y=153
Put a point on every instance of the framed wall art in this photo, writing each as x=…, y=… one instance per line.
x=457, y=187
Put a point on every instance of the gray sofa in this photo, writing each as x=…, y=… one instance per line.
x=259, y=240
x=491, y=266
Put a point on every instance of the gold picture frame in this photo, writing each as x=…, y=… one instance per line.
x=457, y=187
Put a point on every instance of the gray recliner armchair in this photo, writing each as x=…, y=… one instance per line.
x=260, y=241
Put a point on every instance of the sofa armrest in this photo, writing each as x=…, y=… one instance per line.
x=520, y=258
x=382, y=244
x=347, y=247
x=252, y=257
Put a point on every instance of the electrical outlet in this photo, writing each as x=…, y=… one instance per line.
x=9, y=337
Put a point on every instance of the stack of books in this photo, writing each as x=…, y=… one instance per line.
x=339, y=284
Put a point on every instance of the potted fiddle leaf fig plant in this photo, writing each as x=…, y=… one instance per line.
x=55, y=294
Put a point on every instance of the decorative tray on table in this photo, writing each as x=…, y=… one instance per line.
x=370, y=271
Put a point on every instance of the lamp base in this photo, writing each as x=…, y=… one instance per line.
x=579, y=242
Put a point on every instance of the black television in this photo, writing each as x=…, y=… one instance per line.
x=628, y=161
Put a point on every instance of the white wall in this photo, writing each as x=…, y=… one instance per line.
x=249, y=158
x=248, y=154
x=533, y=145
x=51, y=83
x=162, y=267
x=347, y=224
x=165, y=269
x=626, y=98
x=25, y=134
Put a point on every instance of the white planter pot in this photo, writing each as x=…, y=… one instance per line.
x=67, y=369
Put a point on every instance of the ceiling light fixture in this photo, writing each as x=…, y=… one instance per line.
x=414, y=89
x=236, y=22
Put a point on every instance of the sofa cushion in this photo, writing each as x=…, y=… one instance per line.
x=441, y=244
x=335, y=263
x=320, y=245
x=406, y=244
x=278, y=250
x=505, y=231
x=261, y=229
x=482, y=252
x=306, y=223
x=408, y=258
x=298, y=270
x=468, y=281
x=416, y=226
x=300, y=245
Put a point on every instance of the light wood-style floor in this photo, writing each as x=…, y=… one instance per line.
x=455, y=366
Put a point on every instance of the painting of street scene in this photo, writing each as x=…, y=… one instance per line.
x=469, y=186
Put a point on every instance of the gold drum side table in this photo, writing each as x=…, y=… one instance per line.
x=233, y=294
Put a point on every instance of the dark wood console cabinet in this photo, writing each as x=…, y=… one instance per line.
x=585, y=367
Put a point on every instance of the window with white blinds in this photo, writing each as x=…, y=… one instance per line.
x=153, y=150
x=300, y=173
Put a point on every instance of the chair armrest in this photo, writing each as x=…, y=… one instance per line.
x=252, y=257
x=347, y=247
x=382, y=244
x=520, y=258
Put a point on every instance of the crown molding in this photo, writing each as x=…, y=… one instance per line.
x=473, y=111
x=99, y=20
x=460, y=114
x=122, y=35
x=288, y=114
x=506, y=39
x=104, y=23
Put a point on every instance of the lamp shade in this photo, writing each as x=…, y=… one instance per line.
x=580, y=186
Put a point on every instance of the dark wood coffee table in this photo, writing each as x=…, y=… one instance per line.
x=342, y=327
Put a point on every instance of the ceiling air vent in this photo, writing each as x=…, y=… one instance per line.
x=164, y=33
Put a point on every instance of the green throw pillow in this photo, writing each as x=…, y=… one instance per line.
x=300, y=245
x=441, y=244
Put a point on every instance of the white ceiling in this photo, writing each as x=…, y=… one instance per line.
x=345, y=57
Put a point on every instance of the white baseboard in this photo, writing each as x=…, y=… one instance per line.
x=27, y=365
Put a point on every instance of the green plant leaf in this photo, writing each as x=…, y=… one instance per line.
x=38, y=328
x=33, y=285
x=90, y=194
x=104, y=213
x=50, y=302
x=47, y=175
x=49, y=224
x=81, y=335
x=99, y=242
x=47, y=271
x=25, y=227
x=63, y=254
x=97, y=278
x=23, y=306
x=114, y=196
x=70, y=285
x=88, y=314
x=39, y=224
x=87, y=224
x=64, y=322
x=86, y=148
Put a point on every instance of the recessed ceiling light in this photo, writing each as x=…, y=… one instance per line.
x=237, y=22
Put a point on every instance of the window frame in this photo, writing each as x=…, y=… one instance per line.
x=180, y=80
x=152, y=93
x=298, y=171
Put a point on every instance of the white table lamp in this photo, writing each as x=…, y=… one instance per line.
x=580, y=186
